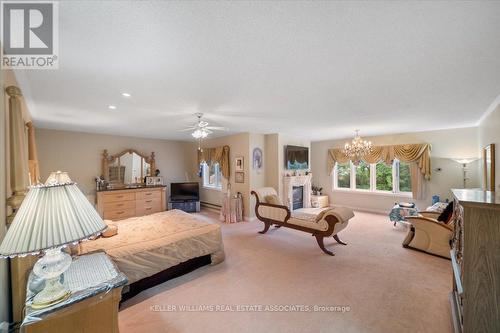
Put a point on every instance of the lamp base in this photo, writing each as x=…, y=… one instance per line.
x=53, y=293
x=50, y=267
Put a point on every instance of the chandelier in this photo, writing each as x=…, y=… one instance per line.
x=358, y=147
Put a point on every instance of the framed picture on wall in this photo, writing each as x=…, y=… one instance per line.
x=257, y=158
x=239, y=177
x=151, y=181
x=238, y=163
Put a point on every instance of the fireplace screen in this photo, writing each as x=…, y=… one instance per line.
x=298, y=197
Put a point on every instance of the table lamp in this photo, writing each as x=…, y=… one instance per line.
x=51, y=216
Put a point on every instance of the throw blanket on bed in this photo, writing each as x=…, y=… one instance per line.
x=150, y=244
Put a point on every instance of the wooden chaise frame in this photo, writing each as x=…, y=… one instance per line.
x=319, y=234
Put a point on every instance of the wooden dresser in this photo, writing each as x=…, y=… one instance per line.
x=122, y=204
x=475, y=255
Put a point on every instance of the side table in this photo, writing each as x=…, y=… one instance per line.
x=95, y=284
x=319, y=201
x=399, y=214
x=232, y=209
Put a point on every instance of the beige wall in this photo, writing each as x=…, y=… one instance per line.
x=80, y=155
x=489, y=132
x=446, y=144
x=271, y=162
x=275, y=164
x=4, y=279
x=257, y=177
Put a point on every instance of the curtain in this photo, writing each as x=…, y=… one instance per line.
x=419, y=155
x=218, y=155
x=417, y=182
x=18, y=150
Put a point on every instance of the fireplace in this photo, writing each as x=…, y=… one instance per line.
x=294, y=186
x=298, y=197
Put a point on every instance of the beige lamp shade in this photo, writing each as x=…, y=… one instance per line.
x=51, y=215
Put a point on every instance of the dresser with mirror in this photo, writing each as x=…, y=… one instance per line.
x=126, y=193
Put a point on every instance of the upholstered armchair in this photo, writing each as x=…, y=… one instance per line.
x=319, y=222
x=429, y=235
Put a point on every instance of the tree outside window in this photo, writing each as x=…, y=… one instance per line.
x=363, y=176
x=384, y=177
x=404, y=177
x=344, y=175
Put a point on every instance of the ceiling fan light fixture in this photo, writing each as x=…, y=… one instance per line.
x=200, y=133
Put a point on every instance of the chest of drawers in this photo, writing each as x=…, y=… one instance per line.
x=122, y=204
x=475, y=259
x=319, y=201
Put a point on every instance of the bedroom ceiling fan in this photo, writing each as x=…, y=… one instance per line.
x=201, y=129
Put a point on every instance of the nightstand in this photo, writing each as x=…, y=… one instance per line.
x=319, y=201
x=95, y=284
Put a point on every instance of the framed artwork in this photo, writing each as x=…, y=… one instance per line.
x=239, y=177
x=489, y=167
x=257, y=158
x=238, y=163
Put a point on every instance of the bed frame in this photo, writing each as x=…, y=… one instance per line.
x=168, y=274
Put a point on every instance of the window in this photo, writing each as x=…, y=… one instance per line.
x=404, y=177
x=211, y=175
x=362, y=176
x=377, y=177
x=344, y=175
x=383, y=181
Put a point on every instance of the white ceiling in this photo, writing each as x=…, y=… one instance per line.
x=317, y=70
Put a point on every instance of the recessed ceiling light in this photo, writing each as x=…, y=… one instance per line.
x=124, y=94
x=112, y=107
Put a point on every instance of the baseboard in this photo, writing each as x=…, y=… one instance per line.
x=365, y=210
x=210, y=206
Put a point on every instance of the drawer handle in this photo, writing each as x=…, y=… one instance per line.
x=120, y=205
x=119, y=213
x=148, y=193
x=149, y=200
x=119, y=196
x=149, y=208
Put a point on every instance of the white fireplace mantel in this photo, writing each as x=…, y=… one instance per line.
x=289, y=182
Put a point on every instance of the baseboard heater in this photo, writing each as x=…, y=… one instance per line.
x=211, y=206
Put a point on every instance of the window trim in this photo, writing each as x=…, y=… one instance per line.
x=373, y=182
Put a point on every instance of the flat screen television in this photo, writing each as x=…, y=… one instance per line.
x=185, y=191
x=296, y=158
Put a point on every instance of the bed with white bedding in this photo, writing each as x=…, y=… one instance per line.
x=148, y=245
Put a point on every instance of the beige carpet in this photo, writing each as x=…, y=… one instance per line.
x=388, y=288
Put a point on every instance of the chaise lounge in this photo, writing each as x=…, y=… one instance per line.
x=320, y=223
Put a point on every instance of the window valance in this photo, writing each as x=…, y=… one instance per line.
x=418, y=153
x=218, y=155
